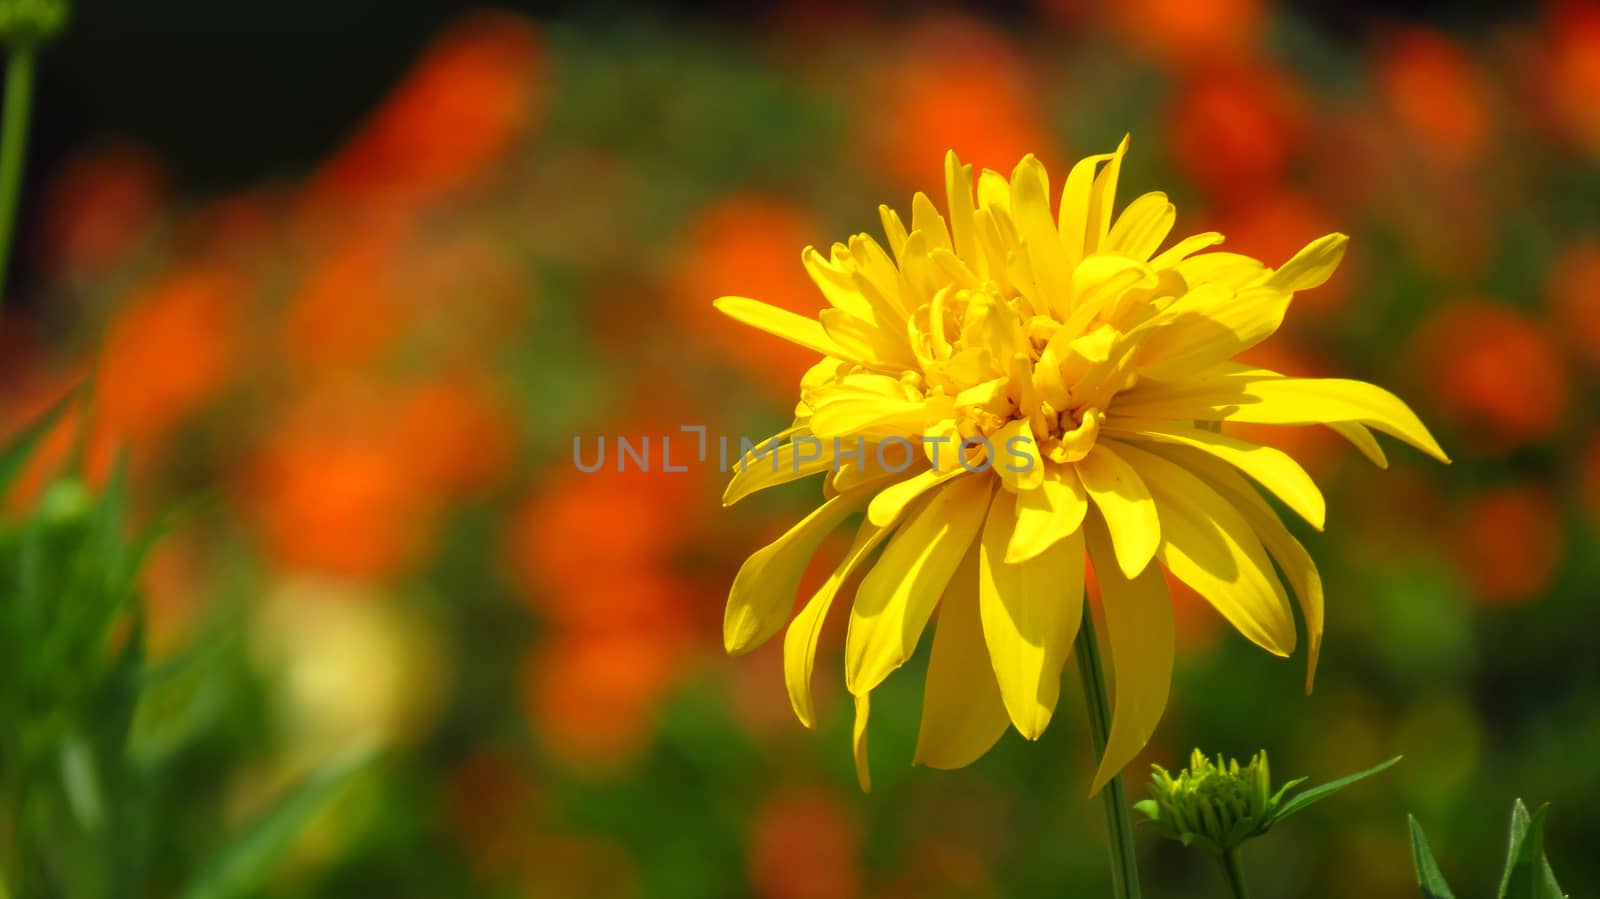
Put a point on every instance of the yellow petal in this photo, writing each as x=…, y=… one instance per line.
x=800, y=641
x=864, y=339
x=1223, y=269
x=1208, y=325
x=859, y=742
x=963, y=228
x=1361, y=439
x=1030, y=616
x=836, y=284
x=892, y=500
x=962, y=715
x=763, y=592
x=1298, y=567
x=1271, y=468
x=1207, y=544
x=1125, y=501
x=925, y=218
x=1141, y=643
x=782, y=323
x=1017, y=459
x=1312, y=266
x=1274, y=400
x=784, y=457
x=1102, y=200
x=1142, y=227
x=1047, y=514
x=1030, y=209
x=1185, y=248
x=898, y=595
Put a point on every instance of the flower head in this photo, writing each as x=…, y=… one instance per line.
x=1009, y=390
x=1216, y=804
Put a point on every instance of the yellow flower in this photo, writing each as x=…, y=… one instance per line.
x=1056, y=384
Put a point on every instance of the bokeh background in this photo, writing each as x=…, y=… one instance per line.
x=348, y=281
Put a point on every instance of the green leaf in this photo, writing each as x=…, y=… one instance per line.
x=1428, y=876
x=16, y=452
x=247, y=860
x=1527, y=874
x=1301, y=800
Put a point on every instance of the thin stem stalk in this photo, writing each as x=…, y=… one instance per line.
x=1230, y=864
x=13, y=147
x=1119, y=824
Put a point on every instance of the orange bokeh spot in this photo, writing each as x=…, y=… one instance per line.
x=347, y=311
x=1179, y=33
x=1275, y=226
x=748, y=245
x=1437, y=92
x=955, y=83
x=458, y=433
x=1497, y=376
x=1568, y=69
x=611, y=523
x=1234, y=130
x=592, y=693
x=805, y=844
x=478, y=89
x=171, y=350
x=99, y=206
x=332, y=489
x=1511, y=544
x=1572, y=292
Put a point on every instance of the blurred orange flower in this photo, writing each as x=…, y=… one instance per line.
x=1497, y=375
x=348, y=311
x=1437, y=92
x=1235, y=129
x=748, y=245
x=1567, y=69
x=1179, y=33
x=592, y=693
x=332, y=489
x=1511, y=543
x=458, y=433
x=171, y=350
x=478, y=89
x=1572, y=292
x=805, y=844
x=565, y=532
x=953, y=83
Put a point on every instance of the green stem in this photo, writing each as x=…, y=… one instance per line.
x=1119, y=825
x=13, y=147
x=1230, y=864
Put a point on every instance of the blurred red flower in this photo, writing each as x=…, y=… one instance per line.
x=1178, y=33
x=478, y=89
x=1235, y=129
x=805, y=844
x=172, y=348
x=1511, y=543
x=333, y=489
x=1572, y=293
x=592, y=693
x=1495, y=374
x=1437, y=92
x=952, y=83
x=1567, y=70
